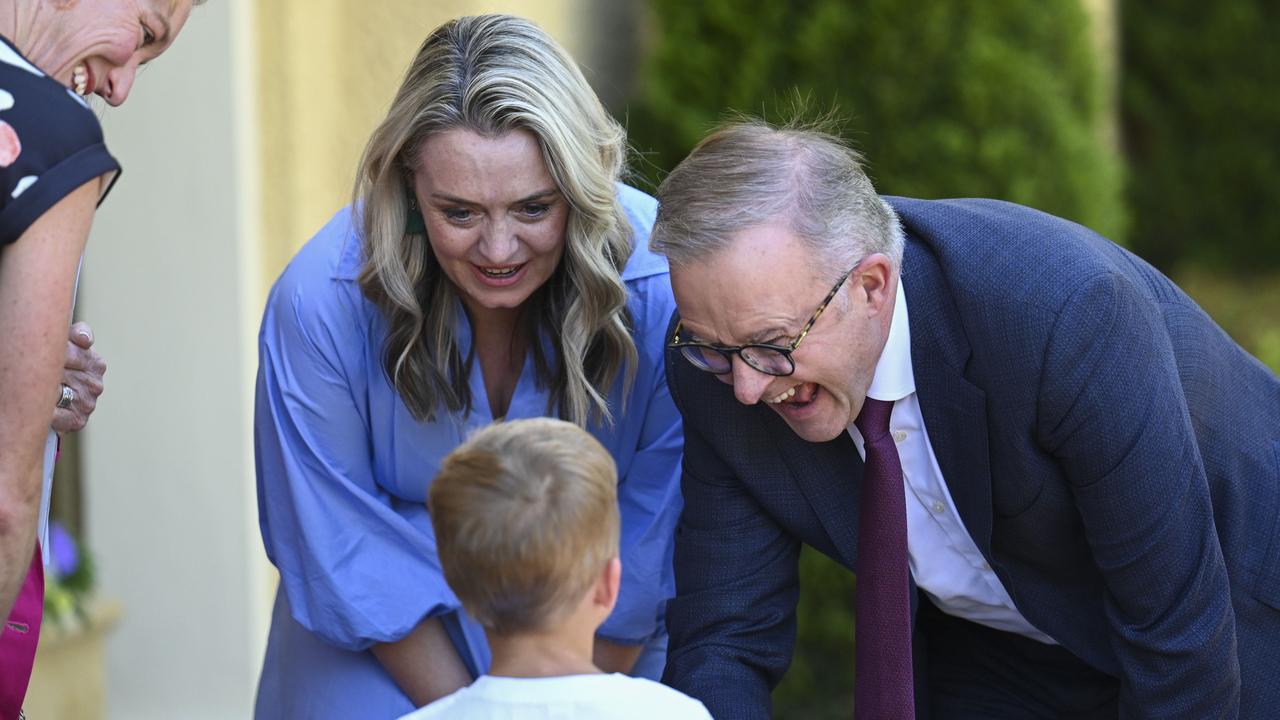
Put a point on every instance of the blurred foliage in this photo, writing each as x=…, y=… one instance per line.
x=994, y=99
x=1201, y=116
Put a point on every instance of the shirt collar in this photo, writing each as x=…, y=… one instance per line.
x=893, y=379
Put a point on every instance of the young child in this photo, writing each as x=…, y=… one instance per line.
x=526, y=522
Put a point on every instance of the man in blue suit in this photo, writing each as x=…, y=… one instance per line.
x=1070, y=505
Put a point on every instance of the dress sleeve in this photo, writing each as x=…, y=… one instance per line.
x=50, y=144
x=356, y=571
x=649, y=489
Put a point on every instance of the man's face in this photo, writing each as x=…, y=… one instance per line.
x=763, y=288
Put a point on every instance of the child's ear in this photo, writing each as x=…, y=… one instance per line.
x=608, y=585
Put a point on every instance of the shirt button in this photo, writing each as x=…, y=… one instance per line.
x=939, y=506
x=899, y=435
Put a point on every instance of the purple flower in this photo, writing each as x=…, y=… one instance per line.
x=63, y=550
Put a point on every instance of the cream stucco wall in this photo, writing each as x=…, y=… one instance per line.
x=170, y=283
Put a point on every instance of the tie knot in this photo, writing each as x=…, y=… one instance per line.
x=873, y=420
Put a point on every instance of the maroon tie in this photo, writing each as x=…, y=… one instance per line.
x=884, y=688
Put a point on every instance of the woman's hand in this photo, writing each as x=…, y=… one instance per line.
x=82, y=373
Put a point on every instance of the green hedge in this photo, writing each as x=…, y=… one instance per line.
x=1201, y=107
x=999, y=98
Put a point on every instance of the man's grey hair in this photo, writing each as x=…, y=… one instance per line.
x=747, y=173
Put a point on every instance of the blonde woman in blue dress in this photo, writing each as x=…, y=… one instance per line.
x=492, y=266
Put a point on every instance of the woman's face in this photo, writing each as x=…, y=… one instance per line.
x=101, y=43
x=495, y=217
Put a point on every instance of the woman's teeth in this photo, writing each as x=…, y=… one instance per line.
x=783, y=396
x=500, y=272
x=80, y=79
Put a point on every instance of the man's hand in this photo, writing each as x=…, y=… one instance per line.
x=82, y=373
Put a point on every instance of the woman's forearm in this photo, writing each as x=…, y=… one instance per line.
x=424, y=663
x=37, y=279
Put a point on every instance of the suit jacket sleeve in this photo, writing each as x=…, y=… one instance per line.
x=732, y=622
x=1112, y=411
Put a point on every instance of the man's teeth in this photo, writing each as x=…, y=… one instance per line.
x=500, y=273
x=80, y=79
x=783, y=396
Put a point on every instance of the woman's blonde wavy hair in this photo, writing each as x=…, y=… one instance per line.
x=492, y=74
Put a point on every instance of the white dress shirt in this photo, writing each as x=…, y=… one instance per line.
x=945, y=561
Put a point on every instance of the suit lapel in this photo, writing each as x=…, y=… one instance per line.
x=954, y=409
x=828, y=474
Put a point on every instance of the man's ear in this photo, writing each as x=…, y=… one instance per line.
x=874, y=279
x=608, y=584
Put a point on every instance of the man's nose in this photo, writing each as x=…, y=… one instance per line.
x=749, y=384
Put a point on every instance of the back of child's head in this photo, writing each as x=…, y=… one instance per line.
x=526, y=518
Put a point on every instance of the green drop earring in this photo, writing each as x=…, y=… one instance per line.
x=414, y=224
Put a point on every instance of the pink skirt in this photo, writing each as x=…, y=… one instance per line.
x=18, y=640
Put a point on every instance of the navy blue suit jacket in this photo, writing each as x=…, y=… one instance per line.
x=1115, y=456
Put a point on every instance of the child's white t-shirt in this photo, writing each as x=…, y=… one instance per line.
x=602, y=697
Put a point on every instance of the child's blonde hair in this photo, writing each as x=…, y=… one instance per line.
x=526, y=518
